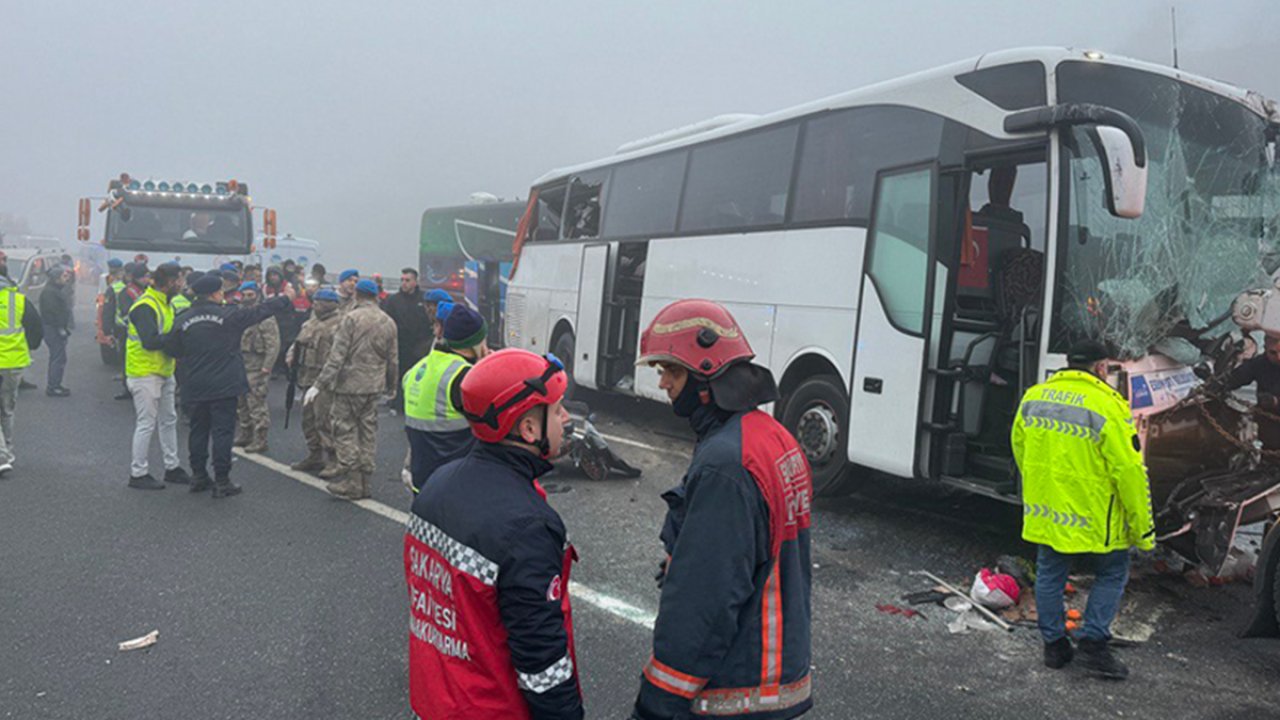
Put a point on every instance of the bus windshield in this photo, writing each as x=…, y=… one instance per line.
x=1208, y=231
x=214, y=231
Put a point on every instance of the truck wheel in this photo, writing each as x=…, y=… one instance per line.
x=109, y=355
x=817, y=414
x=564, y=349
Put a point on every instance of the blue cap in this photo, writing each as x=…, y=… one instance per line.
x=325, y=294
x=250, y=285
x=115, y=263
x=366, y=286
x=228, y=267
x=345, y=274
x=442, y=310
x=436, y=295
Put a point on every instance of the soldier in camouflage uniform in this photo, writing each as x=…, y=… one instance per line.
x=361, y=368
x=312, y=349
x=259, y=346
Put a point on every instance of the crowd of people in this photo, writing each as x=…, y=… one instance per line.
x=487, y=559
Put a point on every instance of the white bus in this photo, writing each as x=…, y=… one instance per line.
x=908, y=257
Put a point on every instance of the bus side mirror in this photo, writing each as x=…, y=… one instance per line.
x=1126, y=181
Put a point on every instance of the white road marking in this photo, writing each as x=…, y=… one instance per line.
x=608, y=603
x=643, y=446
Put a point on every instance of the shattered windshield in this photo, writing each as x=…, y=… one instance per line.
x=1208, y=231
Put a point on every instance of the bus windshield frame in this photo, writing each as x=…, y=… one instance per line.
x=1208, y=231
x=209, y=227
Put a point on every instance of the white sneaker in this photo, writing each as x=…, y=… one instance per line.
x=5, y=467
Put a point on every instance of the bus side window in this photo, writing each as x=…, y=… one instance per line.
x=585, y=201
x=550, y=211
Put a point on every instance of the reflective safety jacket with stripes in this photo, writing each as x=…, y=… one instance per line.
x=732, y=634
x=1084, y=484
x=487, y=563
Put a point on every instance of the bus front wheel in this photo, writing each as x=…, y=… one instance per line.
x=817, y=414
x=563, y=348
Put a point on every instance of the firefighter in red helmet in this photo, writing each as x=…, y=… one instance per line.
x=487, y=559
x=732, y=633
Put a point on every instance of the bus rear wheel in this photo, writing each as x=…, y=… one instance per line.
x=817, y=414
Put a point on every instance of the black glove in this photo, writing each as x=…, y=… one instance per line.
x=662, y=572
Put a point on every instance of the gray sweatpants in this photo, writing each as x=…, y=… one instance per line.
x=9, y=382
x=153, y=404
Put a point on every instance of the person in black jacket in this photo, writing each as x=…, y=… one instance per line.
x=206, y=343
x=415, y=330
x=55, y=309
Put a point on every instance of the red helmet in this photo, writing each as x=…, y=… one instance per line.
x=507, y=384
x=698, y=334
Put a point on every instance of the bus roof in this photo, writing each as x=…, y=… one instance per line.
x=899, y=91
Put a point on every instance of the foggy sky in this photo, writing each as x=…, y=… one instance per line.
x=351, y=118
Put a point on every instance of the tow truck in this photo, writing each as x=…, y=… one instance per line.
x=155, y=221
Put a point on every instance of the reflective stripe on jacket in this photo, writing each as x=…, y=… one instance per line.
x=14, y=352
x=427, y=387
x=1084, y=484
x=139, y=361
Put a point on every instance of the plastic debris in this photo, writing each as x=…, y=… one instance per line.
x=141, y=642
x=958, y=604
x=995, y=590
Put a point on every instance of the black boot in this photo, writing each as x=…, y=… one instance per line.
x=177, y=476
x=223, y=487
x=1097, y=659
x=1058, y=653
x=145, y=482
x=201, y=482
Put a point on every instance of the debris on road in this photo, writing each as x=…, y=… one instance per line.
x=895, y=610
x=995, y=590
x=934, y=596
x=141, y=642
x=978, y=606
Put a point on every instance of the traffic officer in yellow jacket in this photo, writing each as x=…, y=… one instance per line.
x=1084, y=494
x=21, y=331
x=438, y=431
x=149, y=376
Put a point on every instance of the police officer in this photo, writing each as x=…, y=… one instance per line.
x=732, y=633
x=347, y=280
x=113, y=285
x=311, y=349
x=149, y=373
x=1084, y=494
x=433, y=419
x=361, y=367
x=21, y=331
x=260, y=345
x=502, y=601
x=206, y=343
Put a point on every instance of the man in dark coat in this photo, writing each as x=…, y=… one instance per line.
x=55, y=309
x=415, y=331
x=206, y=342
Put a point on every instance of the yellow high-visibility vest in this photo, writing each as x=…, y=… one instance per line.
x=426, y=393
x=138, y=361
x=14, y=352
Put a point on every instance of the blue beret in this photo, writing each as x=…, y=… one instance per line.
x=442, y=311
x=250, y=285
x=207, y=285
x=436, y=295
x=325, y=294
x=366, y=286
x=115, y=263
x=345, y=274
x=228, y=267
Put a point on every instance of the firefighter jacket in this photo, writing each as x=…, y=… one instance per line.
x=1084, y=485
x=364, y=359
x=313, y=344
x=732, y=633
x=260, y=344
x=487, y=563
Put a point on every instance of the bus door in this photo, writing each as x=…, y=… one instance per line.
x=592, y=284
x=894, y=322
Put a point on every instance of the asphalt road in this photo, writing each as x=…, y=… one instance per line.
x=286, y=603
